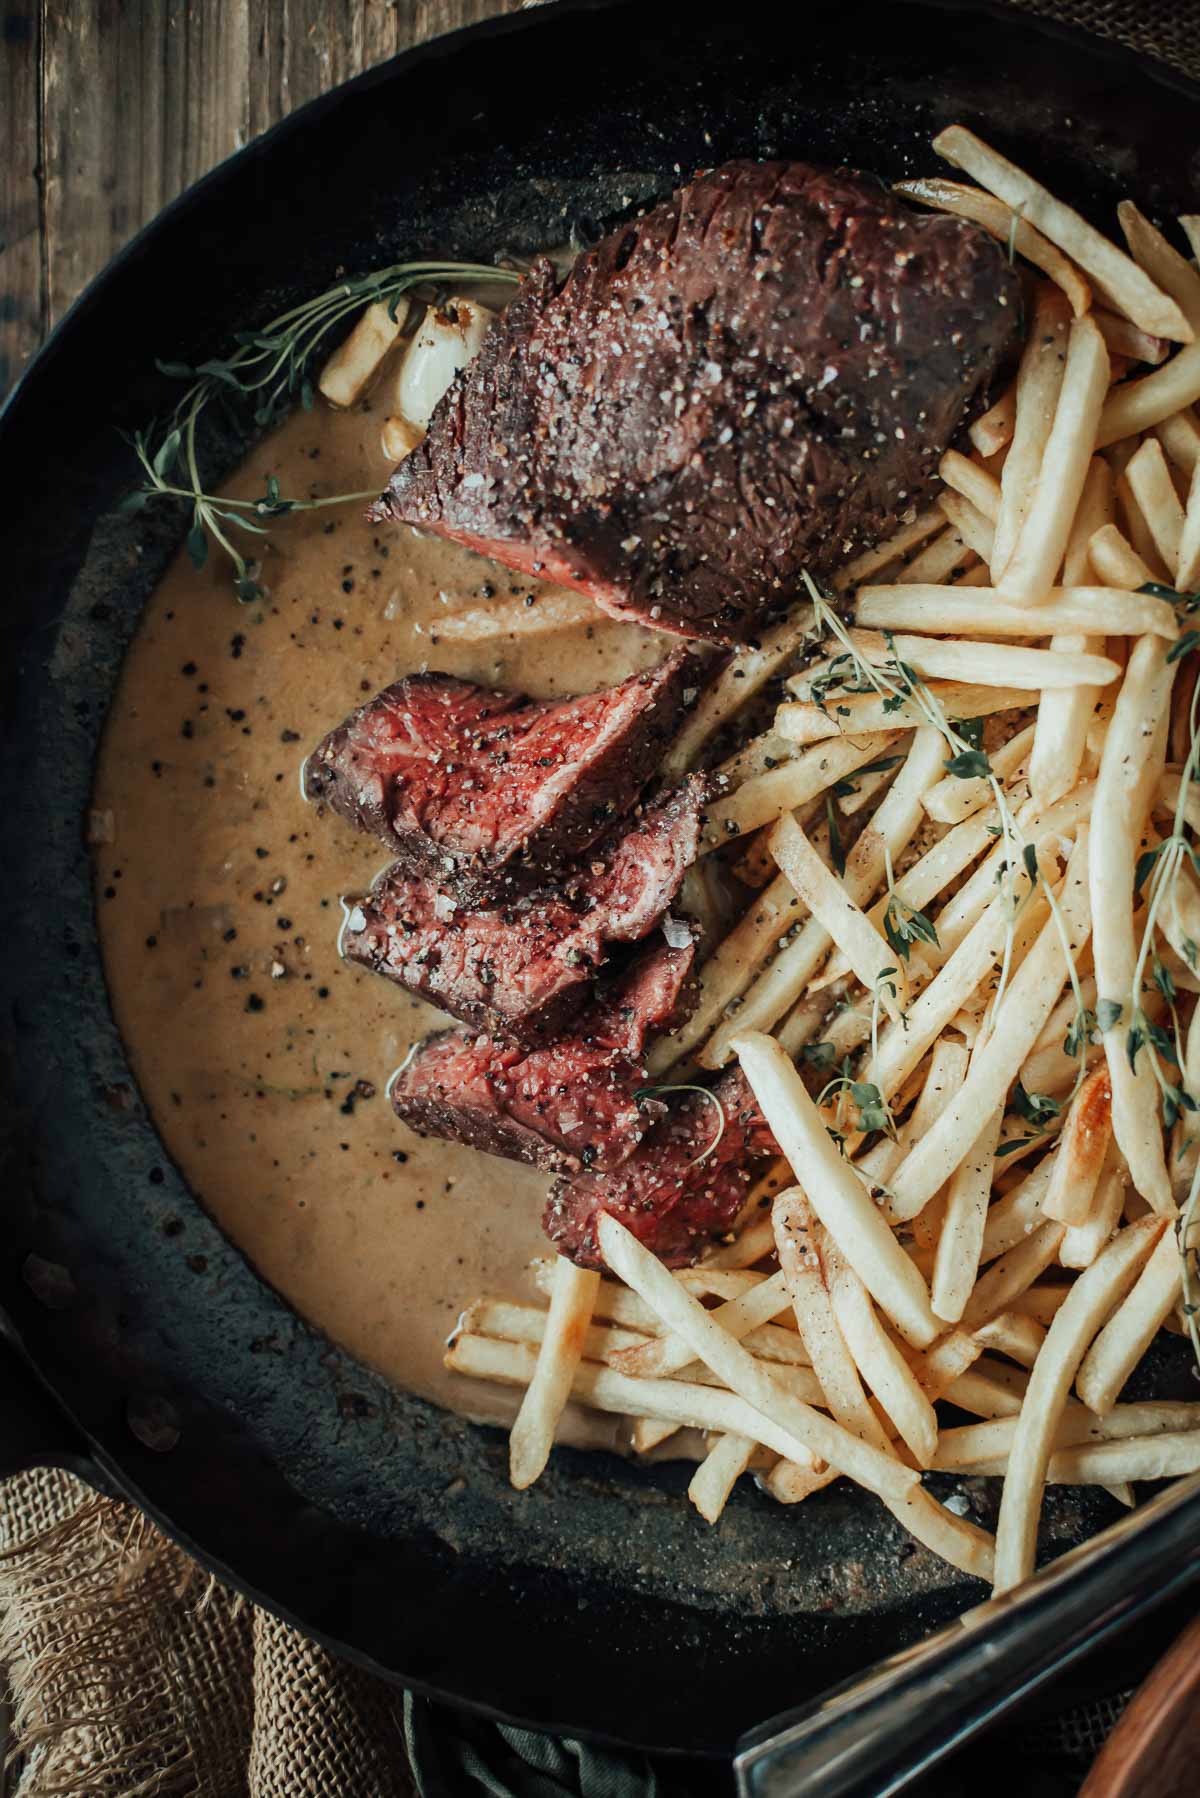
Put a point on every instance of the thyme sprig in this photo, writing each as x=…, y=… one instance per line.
x=258, y=382
x=705, y=1092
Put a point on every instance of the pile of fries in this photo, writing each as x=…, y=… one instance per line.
x=965, y=994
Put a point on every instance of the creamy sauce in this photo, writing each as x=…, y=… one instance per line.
x=262, y=1056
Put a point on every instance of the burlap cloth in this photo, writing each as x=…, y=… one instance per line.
x=133, y=1674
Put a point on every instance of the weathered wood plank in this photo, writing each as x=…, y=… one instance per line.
x=22, y=299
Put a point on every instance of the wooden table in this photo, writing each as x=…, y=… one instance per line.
x=109, y=108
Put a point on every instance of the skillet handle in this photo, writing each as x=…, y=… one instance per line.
x=878, y=1732
x=34, y=1430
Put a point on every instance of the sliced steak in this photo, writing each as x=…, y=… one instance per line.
x=760, y=375
x=683, y=1187
x=469, y=787
x=521, y=970
x=564, y=1107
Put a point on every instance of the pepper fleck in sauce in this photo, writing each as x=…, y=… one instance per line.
x=262, y=1056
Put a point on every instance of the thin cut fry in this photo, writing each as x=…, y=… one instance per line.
x=1155, y=493
x=924, y=525
x=1130, y=769
x=666, y=1355
x=1039, y=381
x=871, y=957
x=1144, y=1458
x=1116, y=561
x=855, y=713
x=956, y=1263
x=1000, y=1288
x=744, y=675
x=1131, y=1329
x=1083, y=1242
x=1090, y=1300
x=353, y=364
x=1120, y=278
x=1020, y=1338
x=769, y=796
x=1029, y=575
x=1187, y=572
x=1102, y=611
x=1025, y=1008
x=973, y=481
x=1124, y=339
x=955, y=798
x=880, y=1362
x=1180, y=437
x=834, y=1190
x=718, y=1473
x=984, y=1447
x=532, y=1434
x=1082, y=1152
x=1009, y=227
x=992, y=431
x=942, y=560
x=972, y=525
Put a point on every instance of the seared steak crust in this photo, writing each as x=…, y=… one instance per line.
x=521, y=970
x=569, y=1105
x=684, y=1185
x=471, y=788
x=760, y=375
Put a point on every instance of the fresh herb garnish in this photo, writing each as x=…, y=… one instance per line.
x=705, y=1092
x=260, y=381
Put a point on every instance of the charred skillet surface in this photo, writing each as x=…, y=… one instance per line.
x=522, y=970
x=566, y=1106
x=475, y=789
x=759, y=375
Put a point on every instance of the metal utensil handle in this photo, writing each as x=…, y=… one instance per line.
x=879, y=1731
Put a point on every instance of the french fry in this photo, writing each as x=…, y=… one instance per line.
x=790, y=1484
x=1009, y=227
x=1020, y=1338
x=1039, y=381
x=892, y=828
x=1089, y=1302
x=956, y=1263
x=1154, y=491
x=871, y=957
x=731, y=967
x=946, y=557
x=1115, y=559
x=993, y=430
x=803, y=1248
x=745, y=674
x=880, y=1362
x=553, y=611
x=718, y=1474
x=1009, y=1277
x=955, y=798
x=982, y=1448
x=532, y=1435
x=1083, y=1242
x=755, y=1240
x=1140, y=405
x=769, y=796
x=990, y=1388
x=916, y=531
x=1132, y=1327
x=1125, y=339
x=1180, y=437
x=1082, y=1152
x=1120, y=278
x=1029, y=574
x=834, y=1190
x=1041, y=1301
x=857, y=713
x=1144, y=1458
x=992, y=664
x=1187, y=571
x=1027, y=1004
x=975, y=529
x=1130, y=768
x=666, y=1355
x=1100, y=611
x=947, y=1071
x=973, y=481
x=1065, y=717
x=355, y=362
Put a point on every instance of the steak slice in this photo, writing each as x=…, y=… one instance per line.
x=758, y=376
x=521, y=970
x=467, y=786
x=567, y=1106
x=684, y=1185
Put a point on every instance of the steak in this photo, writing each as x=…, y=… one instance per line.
x=469, y=787
x=569, y=1105
x=521, y=970
x=684, y=1185
x=758, y=376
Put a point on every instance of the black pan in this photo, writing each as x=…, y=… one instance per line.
x=147, y=1353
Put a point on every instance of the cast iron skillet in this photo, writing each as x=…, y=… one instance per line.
x=148, y=1355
